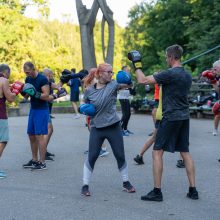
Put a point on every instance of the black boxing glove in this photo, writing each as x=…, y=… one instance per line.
x=61, y=92
x=66, y=72
x=67, y=75
x=135, y=57
x=65, y=78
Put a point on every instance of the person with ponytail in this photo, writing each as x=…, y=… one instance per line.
x=105, y=124
x=88, y=81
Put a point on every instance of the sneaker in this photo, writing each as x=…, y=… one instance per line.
x=215, y=132
x=139, y=159
x=48, y=158
x=77, y=116
x=128, y=187
x=193, y=193
x=125, y=133
x=2, y=175
x=130, y=132
x=103, y=153
x=39, y=166
x=180, y=164
x=30, y=164
x=218, y=160
x=86, y=152
x=85, y=191
x=51, y=116
x=151, y=134
x=153, y=196
x=50, y=154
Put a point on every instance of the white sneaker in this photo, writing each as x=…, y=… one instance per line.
x=103, y=153
x=215, y=132
x=77, y=116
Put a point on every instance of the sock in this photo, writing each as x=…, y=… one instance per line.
x=124, y=173
x=191, y=189
x=87, y=173
x=157, y=190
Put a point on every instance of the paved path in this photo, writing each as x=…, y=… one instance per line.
x=54, y=194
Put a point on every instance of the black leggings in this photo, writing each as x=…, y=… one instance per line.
x=114, y=136
x=126, y=113
x=97, y=136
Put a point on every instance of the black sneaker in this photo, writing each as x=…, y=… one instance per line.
x=85, y=191
x=219, y=160
x=193, y=193
x=48, y=158
x=139, y=159
x=180, y=164
x=153, y=196
x=39, y=166
x=151, y=134
x=30, y=164
x=50, y=154
x=128, y=187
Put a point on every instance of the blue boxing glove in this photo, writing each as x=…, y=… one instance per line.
x=87, y=109
x=123, y=78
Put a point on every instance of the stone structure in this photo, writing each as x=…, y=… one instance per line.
x=87, y=19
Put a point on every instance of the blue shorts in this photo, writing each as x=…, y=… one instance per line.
x=49, y=120
x=38, y=122
x=4, y=133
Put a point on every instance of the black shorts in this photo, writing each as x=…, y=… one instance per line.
x=74, y=97
x=172, y=136
x=157, y=123
x=156, y=103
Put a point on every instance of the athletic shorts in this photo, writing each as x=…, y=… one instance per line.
x=74, y=97
x=49, y=120
x=157, y=123
x=38, y=122
x=172, y=136
x=156, y=103
x=4, y=133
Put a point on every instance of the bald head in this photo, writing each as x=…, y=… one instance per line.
x=48, y=73
x=216, y=67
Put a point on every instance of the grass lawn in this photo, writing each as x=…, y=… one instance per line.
x=62, y=104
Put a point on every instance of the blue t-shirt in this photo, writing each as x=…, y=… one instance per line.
x=176, y=83
x=74, y=85
x=38, y=83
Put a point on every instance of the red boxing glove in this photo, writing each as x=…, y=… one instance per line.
x=216, y=108
x=210, y=76
x=17, y=87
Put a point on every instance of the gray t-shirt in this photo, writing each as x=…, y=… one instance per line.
x=176, y=83
x=104, y=100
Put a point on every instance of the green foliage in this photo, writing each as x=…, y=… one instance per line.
x=46, y=43
x=194, y=24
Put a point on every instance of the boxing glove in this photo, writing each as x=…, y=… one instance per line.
x=147, y=88
x=17, y=87
x=123, y=78
x=87, y=109
x=61, y=92
x=68, y=75
x=135, y=57
x=30, y=90
x=66, y=72
x=210, y=76
x=216, y=108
